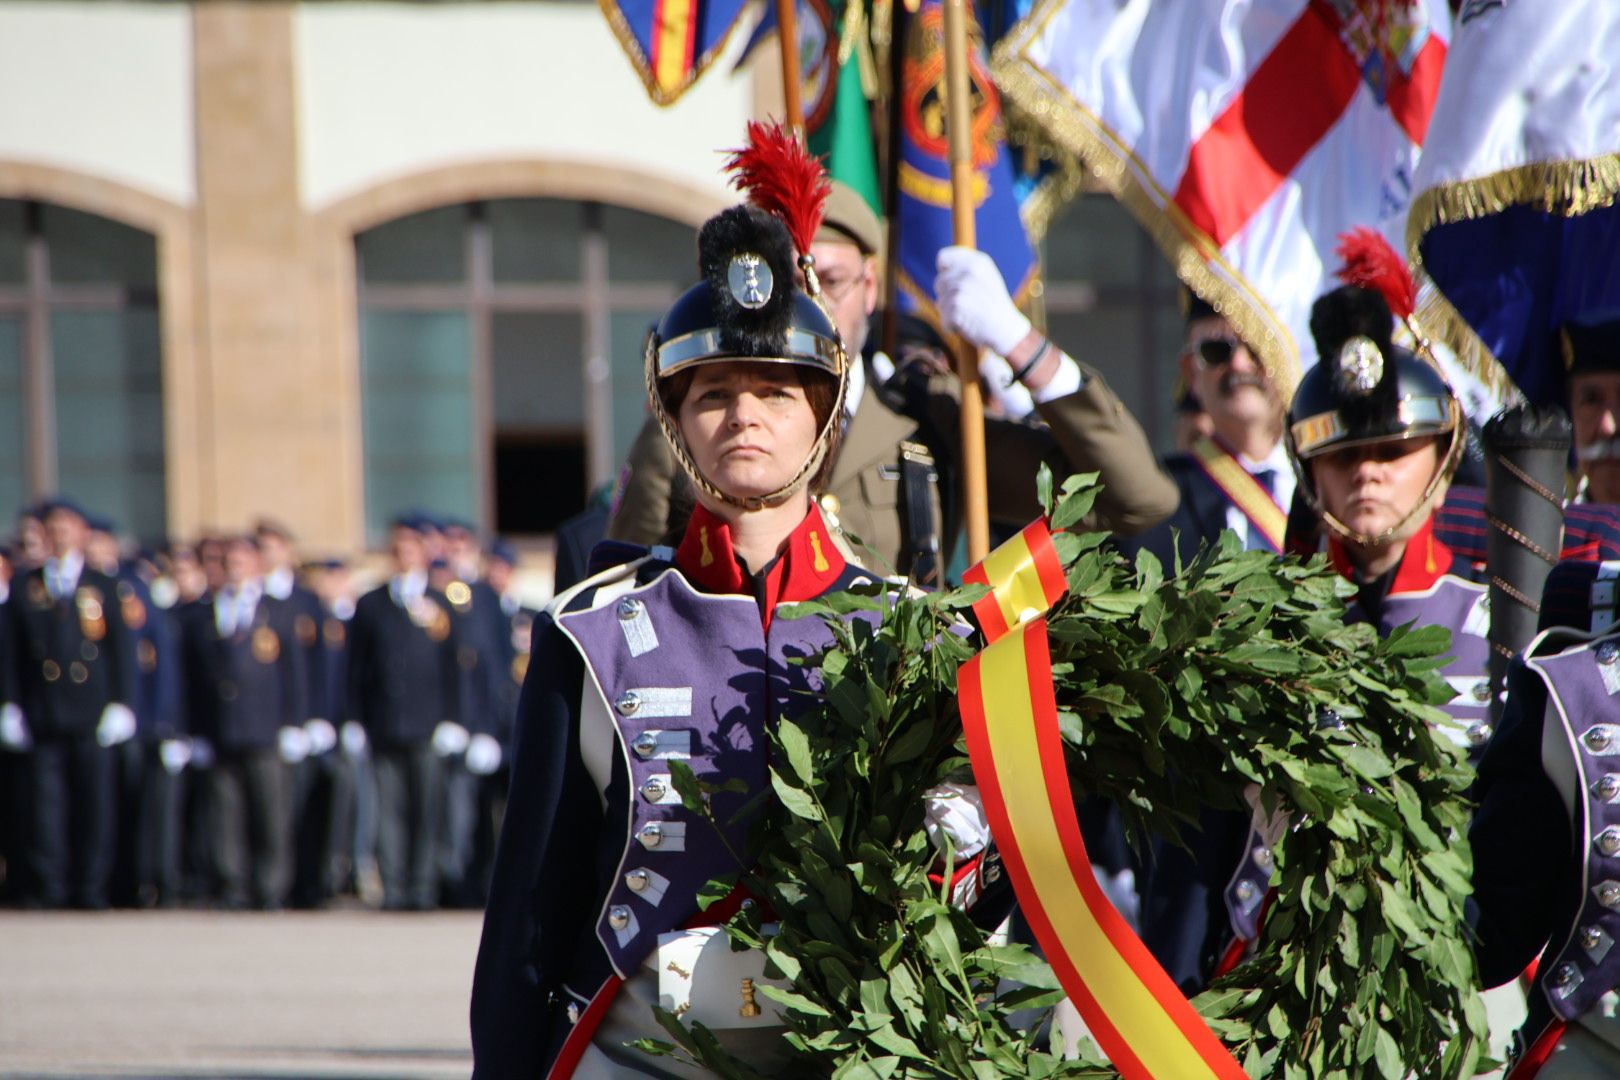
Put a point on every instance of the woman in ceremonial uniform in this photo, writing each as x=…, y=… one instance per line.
x=680, y=656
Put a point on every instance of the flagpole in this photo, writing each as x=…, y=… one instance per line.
x=787, y=39
x=959, y=131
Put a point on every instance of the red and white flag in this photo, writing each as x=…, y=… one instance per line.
x=1245, y=135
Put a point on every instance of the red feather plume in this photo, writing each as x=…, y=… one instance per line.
x=1371, y=263
x=780, y=176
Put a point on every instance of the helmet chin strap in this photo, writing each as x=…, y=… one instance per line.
x=677, y=443
x=1432, y=494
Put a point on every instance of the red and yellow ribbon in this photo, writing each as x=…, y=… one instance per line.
x=1138, y=1016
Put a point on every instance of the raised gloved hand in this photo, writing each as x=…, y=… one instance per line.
x=14, y=734
x=973, y=300
x=174, y=754
x=293, y=744
x=483, y=755
x=202, y=753
x=117, y=724
x=322, y=736
x=449, y=738
x=354, y=738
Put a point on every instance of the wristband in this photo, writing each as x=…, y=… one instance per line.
x=1034, y=361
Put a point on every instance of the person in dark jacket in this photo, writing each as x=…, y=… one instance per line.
x=406, y=691
x=73, y=692
x=246, y=687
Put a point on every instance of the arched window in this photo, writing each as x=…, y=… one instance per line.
x=501, y=347
x=81, y=388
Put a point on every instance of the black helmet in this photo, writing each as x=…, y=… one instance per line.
x=1366, y=389
x=747, y=307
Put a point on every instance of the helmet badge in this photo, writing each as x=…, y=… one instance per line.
x=1361, y=366
x=750, y=280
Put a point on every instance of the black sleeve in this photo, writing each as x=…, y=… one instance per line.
x=539, y=904
x=1524, y=864
x=294, y=669
x=359, y=660
x=120, y=644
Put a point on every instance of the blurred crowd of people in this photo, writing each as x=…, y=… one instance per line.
x=220, y=724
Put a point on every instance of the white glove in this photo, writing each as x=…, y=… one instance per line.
x=293, y=744
x=973, y=300
x=174, y=754
x=322, y=736
x=449, y=738
x=14, y=729
x=117, y=725
x=483, y=755
x=953, y=816
x=202, y=754
x=354, y=738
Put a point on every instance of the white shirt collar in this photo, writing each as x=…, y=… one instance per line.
x=279, y=582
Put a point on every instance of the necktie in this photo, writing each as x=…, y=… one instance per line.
x=1267, y=479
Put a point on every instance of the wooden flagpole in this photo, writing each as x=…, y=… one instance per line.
x=787, y=39
x=959, y=132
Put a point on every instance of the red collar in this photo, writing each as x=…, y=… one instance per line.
x=1425, y=561
x=808, y=565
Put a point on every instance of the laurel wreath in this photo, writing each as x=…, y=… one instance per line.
x=1236, y=670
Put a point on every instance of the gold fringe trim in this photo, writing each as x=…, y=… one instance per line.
x=1562, y=188
x=1193, y=255
x=662, y=95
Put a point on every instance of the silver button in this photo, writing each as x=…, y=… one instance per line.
x=654, y=789
x=652, y=834
x=618, y=916
x=1608, y=652
x=645, y=744
x=1245, y=891
x=1608, y=841
x=1263, y=858
x=1597, y=739
x=637, y=879
x=1608, y=894
x=573, y=1013
x=1481, y=691
x=1591, y=937
x=628, y=703
x=992, y=873
x=1607, y=787
x=629, y=608
x=1564, y=976
x=1479, y=733
x=747, y=904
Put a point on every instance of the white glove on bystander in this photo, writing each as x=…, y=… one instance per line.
x=174, y=754
x=14, y=729
x=322, y=735
x=973, y=300
x=117, y=724
x=483, y=755
x=354, y=738
x=202, y=754
x=449, y=738
x=293, y=744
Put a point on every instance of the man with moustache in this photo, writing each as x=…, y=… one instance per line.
x=1238, y=477
x=1591, y=347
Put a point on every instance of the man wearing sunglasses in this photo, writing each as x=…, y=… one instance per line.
x=1238, y=477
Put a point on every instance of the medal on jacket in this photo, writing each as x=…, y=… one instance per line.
x=38, y=594
x=520, y=667
x=146, y=656
x=459, y=593
x=92, y=618
x=266, y=645
x=305, y=628
x=431, y=617
x=130, y=606
x=334, y=632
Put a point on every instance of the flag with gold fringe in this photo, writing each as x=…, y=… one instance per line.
x=671, y=43
x=1515, y=219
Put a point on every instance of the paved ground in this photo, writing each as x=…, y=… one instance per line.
x=320, y=996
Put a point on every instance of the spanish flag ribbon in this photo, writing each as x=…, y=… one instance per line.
x=1139, y=1017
